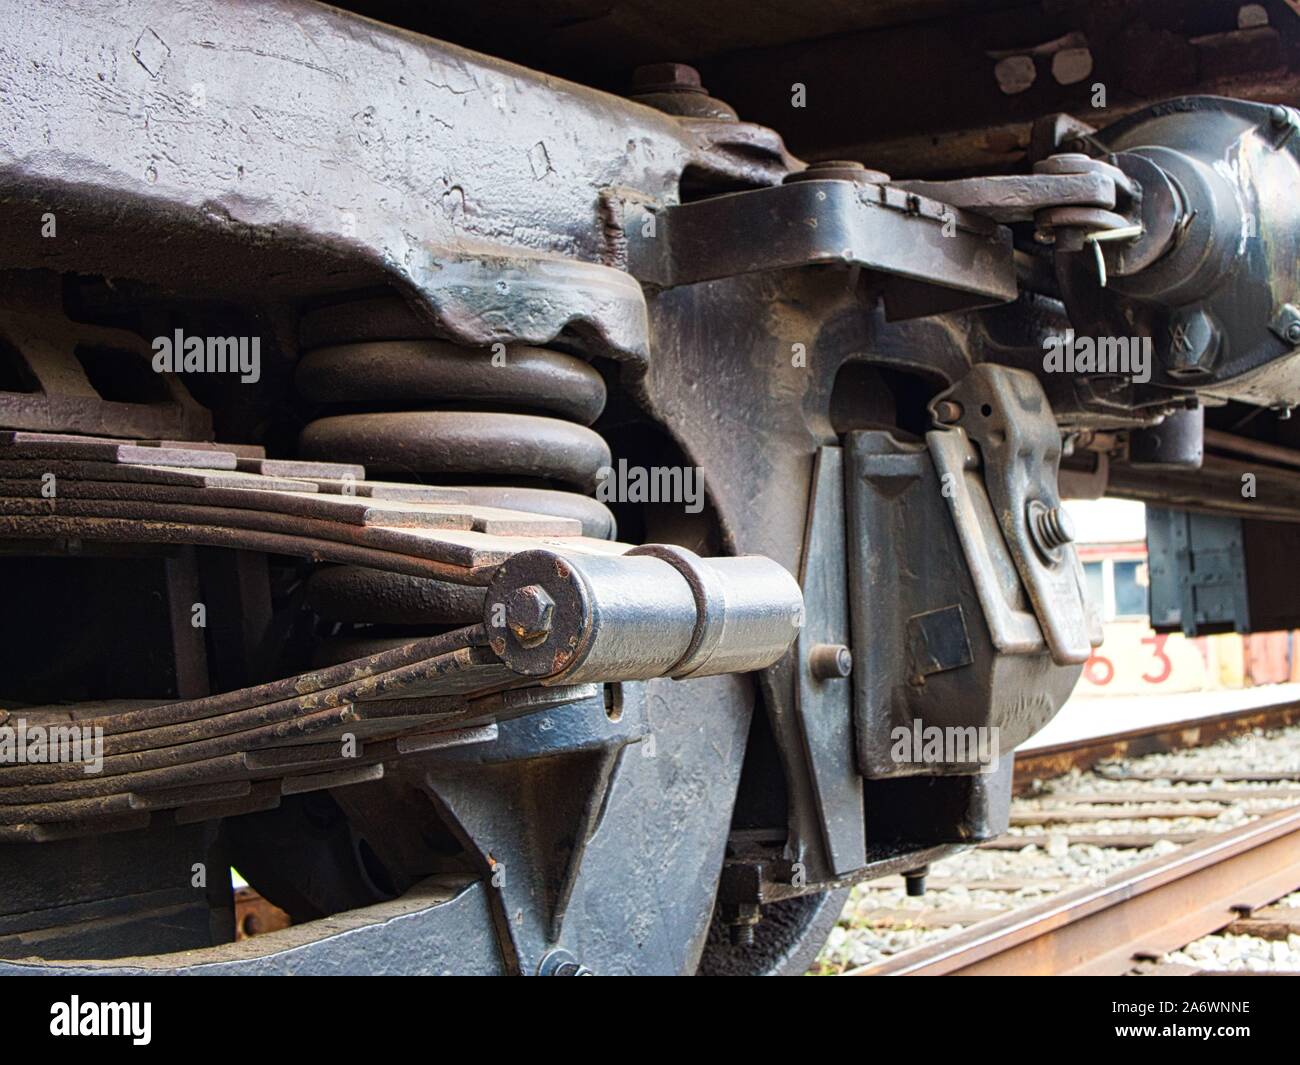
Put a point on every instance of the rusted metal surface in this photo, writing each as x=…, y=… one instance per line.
x=1017, y=198
x=1157, y=906
x=376, y=939
x=329, y=87
x=1006, y=414
x=923, y=249
x=254, y=916
x=1214, y=488
x=1217, y=440
x=1003, y=68
x=536, y=405
x=212, y=749
x=85, y=378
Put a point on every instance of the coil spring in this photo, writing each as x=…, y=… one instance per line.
x=410, y=406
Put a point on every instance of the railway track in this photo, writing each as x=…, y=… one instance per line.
x=1123, y=850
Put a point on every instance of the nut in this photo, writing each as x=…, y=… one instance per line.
x=666, y=77
x=529, y=611
x=839, y=170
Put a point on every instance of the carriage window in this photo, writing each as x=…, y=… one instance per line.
x=1096, y=578
x=1131, y=589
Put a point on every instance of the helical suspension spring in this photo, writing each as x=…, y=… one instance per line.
x=508, y=425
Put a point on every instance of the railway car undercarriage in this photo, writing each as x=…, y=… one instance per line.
x=516, y=526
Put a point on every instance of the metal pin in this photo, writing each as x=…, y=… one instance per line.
x=1095, y=239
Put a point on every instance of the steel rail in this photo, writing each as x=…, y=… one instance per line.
x=1155, y=907
x=1044, y=763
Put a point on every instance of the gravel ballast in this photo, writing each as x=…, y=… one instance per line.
x=877, y=920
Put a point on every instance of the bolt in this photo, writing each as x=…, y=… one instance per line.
x=830, y=661
x=1193, y=343
x=675, y=89
x=948, y=411
x=529, y=611
x=560, y=962
x=666, y=77
x=1293, y=332
x=839, y=170
x=1283, y=120
x=741, y=917
x=914, y=880
x=1050, y=527
x=1062, y=528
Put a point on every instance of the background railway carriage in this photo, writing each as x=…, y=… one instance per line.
x=1133, y=658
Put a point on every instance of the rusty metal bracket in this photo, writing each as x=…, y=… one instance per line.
x=1072, y=198
x=1012, y=625
x=66, y=375
x=1018, y=197
x=933, y=258
x=1006, y=413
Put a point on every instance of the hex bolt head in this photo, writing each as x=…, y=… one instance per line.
x=1293, y=332
x=1194, y=343
x=676, y=89
x=830, y=661
x=529, y=612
